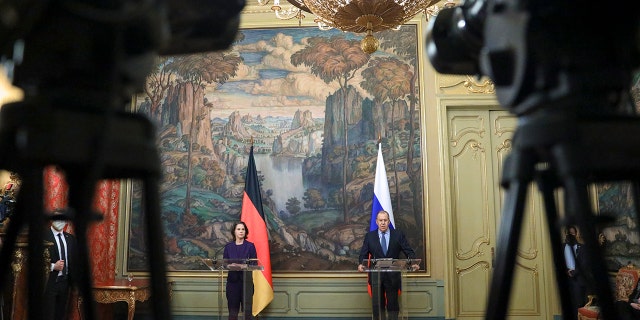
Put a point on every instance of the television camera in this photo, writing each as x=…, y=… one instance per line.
x=565, y=69
x=79, y=62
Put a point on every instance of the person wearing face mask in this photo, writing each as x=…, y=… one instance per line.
x=62, y=253
x=239, y=283
x=574, y=261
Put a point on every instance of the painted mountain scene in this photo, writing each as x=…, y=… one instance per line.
x=619, y=237
x=314, y=106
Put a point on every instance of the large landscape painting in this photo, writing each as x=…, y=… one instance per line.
x=620, y=238
x=314, y=106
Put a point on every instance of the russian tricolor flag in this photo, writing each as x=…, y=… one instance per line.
x=381, y=196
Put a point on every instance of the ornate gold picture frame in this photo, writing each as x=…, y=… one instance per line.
x=314, y=106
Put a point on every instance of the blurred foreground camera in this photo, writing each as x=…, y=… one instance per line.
x=102, y=49
x=455, y=38
x=202, y=25
x=79, y=63
x=538, y=53
x=564, y=68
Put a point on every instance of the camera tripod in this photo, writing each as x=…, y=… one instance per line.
x=565, y=70
x=79, y=63
x=102, y=145
x=559, y=151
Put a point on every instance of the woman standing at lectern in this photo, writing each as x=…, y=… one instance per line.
x=240, y=249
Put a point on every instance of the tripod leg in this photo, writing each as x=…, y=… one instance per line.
x=635, y=189
x=34, y=185
x=547, y=184
x=28, y=211
x=517, y=174
x=155, y=239
x=81, y=191
x=578, y=203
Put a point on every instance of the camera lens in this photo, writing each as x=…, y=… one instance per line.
x=455, y=38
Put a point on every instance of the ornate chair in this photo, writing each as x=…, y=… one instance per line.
x=626, y=281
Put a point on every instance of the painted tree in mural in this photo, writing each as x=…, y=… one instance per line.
x=196, y=71
x=403, y=43
x=387, y=79
x=158, y=83
x=334, y=59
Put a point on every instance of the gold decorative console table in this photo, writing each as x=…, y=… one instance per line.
x=137, y=290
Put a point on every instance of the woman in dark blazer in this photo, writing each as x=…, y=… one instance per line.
x=240, y=283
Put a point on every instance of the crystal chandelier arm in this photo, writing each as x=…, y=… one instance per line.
x=300, y=5
x=288, y=13
x=358, y=16
x=434, y=9
x=322, y=25
x=293, y=11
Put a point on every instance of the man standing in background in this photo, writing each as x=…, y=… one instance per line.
x=62, y=253
x=574, y=260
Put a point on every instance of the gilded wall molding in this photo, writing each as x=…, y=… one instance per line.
x=505, y=146
x=455, y=84
x=459, y=128
x=476, y=249
x=501, y=128
x=482, y=264
x=476, y=147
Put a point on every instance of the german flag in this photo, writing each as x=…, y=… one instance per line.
x=253, y=216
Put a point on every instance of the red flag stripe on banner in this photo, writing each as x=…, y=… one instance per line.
x=253, y=216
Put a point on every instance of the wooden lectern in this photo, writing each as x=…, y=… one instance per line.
x=222, y=267
x=400, y=267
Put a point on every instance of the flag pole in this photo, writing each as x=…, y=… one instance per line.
x=252, y=214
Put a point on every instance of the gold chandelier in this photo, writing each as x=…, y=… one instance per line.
x=361, y=16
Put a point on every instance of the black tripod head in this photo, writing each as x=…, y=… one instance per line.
x=79, y=63
x=553, y=55
x=91, y=52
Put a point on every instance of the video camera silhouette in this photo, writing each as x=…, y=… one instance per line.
x=57, y=45
x=565, y=69
x=79, y=63
x=542, y=54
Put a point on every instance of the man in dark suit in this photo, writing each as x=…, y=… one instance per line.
x=576, y=271
x=62, y=253
x=385, y=243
